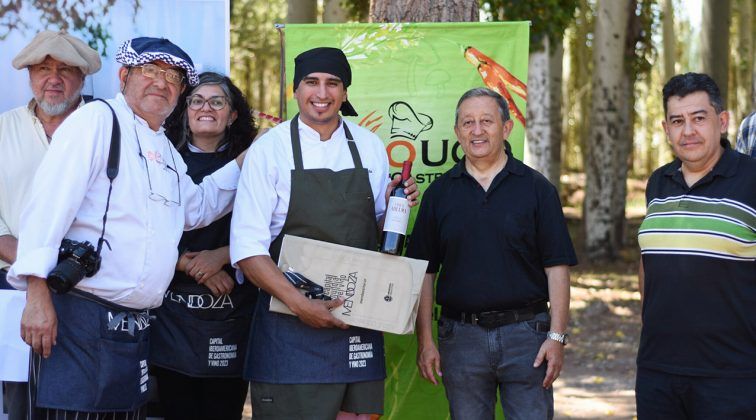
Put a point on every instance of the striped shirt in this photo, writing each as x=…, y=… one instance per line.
x=698, y=246
x=695, y=225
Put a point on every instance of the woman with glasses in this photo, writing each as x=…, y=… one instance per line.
x=200, y=332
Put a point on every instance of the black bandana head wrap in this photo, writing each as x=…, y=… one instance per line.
x=325, y=60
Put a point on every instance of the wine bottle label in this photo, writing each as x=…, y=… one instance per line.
x=397, y=215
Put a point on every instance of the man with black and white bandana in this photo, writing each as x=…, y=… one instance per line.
x=91, y=343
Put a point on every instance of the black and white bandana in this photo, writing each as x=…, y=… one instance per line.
x=143, y=50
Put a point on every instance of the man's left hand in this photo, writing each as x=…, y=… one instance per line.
x=207, y=263
x=552, y=352
x=410, y=189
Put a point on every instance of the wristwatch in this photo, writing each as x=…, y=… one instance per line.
x=561, y=338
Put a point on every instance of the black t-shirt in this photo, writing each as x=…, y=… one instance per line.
x=699, y=257
x=493, y=245
x=212, y=236
x=216, y=234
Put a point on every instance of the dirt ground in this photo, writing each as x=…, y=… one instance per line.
x=598, y=379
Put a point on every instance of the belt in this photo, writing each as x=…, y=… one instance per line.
x=495, y=319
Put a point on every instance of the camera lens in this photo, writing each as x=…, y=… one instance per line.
x=65, y=276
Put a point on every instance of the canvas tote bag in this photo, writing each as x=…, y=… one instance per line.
x=380, y=291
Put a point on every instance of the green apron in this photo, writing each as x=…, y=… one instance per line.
x=336, y=207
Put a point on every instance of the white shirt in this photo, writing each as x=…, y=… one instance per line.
x=23, y=143
x=68, y=197
x=265, y=183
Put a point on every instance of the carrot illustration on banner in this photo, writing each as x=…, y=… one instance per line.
x=371, y=122
x=496, y=77
x=273, y=119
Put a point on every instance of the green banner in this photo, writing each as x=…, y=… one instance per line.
x=406, y=81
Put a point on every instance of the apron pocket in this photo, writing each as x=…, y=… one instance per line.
x=197, y=347
x=121, y=375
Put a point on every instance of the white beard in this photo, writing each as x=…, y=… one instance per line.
x=59, y=108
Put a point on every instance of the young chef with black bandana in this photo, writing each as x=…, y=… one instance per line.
x=322, y=177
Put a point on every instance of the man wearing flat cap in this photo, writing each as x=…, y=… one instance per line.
x=91, y=341
x=57, y=65
x=322, y=177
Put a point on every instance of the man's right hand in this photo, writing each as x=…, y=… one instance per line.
x=429, y=362
x=39, y=323
x=317, y=313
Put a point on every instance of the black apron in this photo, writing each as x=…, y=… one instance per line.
x=200, y=335
x=195, y=333
x=100, y=360
x=336, y=207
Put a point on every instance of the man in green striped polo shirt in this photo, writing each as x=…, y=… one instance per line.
x=697, y=355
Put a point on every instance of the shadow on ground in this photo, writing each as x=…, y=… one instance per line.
x=599, y=374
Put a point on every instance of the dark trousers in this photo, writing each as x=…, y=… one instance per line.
x=667, y=396
x=184, y=397
x=15, y=399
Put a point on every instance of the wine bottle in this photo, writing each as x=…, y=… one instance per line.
x=397, y=216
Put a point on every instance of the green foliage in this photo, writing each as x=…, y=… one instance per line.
x=255, y=51
x=548, y=18
x=86, y=16
x=357, y=10
x=641, y=53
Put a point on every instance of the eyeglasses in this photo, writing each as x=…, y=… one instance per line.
x=171, y=76
x=47, y=69
x=196, y=102
x=156, y=196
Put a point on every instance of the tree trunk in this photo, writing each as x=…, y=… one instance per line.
x=715, y=42
x=623, y=150
x=538, y=130
x=424, y=11
x=668, y=39
x=556, y=57
x=333, y=12
x=744, y=67
x=544, y=130
x=605, y=128
x=302, y=11
x=578, y=89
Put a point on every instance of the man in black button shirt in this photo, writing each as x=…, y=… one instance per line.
x=497, y=228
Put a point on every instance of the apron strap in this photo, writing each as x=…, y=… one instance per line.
x=296, y=146
x=352, y=147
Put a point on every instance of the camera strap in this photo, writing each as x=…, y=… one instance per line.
x=114, y=157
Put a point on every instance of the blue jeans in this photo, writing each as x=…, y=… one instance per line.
x=476, y=362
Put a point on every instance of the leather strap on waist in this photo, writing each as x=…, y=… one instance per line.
x=495, y=319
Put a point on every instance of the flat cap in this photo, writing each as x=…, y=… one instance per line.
x=62, y=47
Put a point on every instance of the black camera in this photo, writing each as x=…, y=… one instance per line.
x=75, y=260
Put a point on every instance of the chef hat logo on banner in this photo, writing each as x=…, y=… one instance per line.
x=407, y=123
